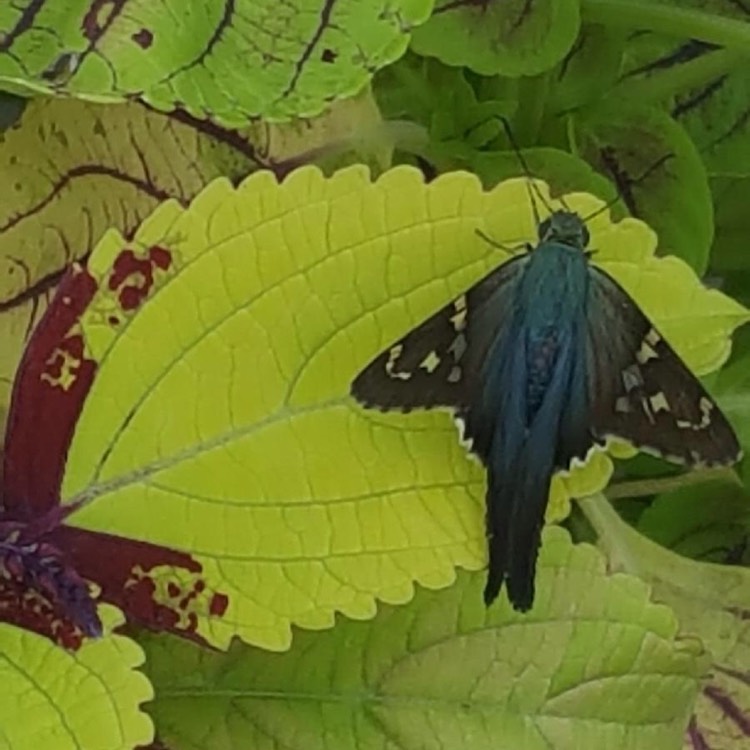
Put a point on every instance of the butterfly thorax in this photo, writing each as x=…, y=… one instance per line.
x=551, y=304
x=565, y=228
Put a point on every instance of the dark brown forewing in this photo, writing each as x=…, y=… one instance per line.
x=438, y=363
x=642, y=391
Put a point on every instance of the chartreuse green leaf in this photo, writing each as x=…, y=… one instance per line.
x=711, y=601
x=595, y=665
x=658, y=172
x=229, y=62
x=512, y=38
x=219, y=422
x=72, y=700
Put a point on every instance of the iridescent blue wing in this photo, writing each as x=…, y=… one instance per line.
x=641, y=391
x=439, y=363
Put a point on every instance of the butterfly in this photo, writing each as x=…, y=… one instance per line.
x=541, y=361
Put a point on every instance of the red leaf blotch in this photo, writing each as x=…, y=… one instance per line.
x=133, y=277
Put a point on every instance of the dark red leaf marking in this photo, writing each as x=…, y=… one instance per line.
x=100, y=17
x=728, y=707
x=695, y=736
x=143, y=38
x=24, y=23
x=53, y=380
x=125, y=571
x=132, y=277
x=735, y=674
x=26, y=608
x=218, y=605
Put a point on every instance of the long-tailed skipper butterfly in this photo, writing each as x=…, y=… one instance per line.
x=543, y=359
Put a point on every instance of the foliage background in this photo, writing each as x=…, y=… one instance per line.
x=113, y=109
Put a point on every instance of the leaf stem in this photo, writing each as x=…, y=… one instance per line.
x=671, y=20
x=644, y=487
x=530, y=112
x=657, y=89
x=606, y=523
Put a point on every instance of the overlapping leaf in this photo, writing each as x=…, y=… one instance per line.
x=225, y=61
x=658, y=172
x=73, y=169
x=710, y=601
x=210, y=359
x=589, y=69
x=445, y=672
x=66, y=700
x=709, y=522
x=512, y=38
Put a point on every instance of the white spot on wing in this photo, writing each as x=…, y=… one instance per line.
x=390, y=366
x=430, y=363
x=632, y=378
x=645, y=353
x=659, y=402
x=652, y=337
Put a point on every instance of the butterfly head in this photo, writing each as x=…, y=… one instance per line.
x=565, y=227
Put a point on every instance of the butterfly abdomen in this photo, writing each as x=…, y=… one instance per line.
x=536, y=371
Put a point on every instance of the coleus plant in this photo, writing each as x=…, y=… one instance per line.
x=181, y=450
x=279, y=326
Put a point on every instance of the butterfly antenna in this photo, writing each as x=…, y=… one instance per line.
x=622, y=185
x=531, y=186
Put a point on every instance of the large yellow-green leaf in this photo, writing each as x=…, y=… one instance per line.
x=594, y=666
x=224, y=338
x=229, y=61
x=89, y=699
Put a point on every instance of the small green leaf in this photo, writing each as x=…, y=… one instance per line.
x=65, y=700
x=658, y=172
x=594, y=665
x=711, y=602
x=708, y=522
x=562, y=171
x=511, y=38
x=589, y=68
x=730, y=255
x=444, y=103
x=717, y=117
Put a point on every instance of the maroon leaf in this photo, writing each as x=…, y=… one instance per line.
x=52, y=383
